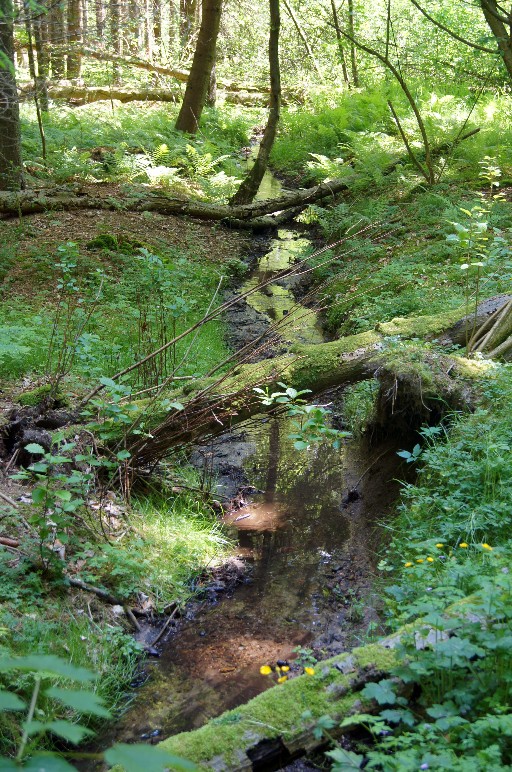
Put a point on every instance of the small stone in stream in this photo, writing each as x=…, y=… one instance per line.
x=202, y=633
x=151, y=652
x=282, y=663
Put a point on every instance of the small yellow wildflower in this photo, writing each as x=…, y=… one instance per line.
x=439, y=545
x=430, y=560
x=265, y=670
x=285, y=668
x=309, y=670
x=419, y=560
x=463, y=545
x=408, y=565
x=486, y=546
x=282, y=679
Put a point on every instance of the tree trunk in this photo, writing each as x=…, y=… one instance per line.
x=57, y=39
x=212, y=89
x=149, y=39
x=99, y=13
x=74, y=62
x=115, y=35
x=353, y=54
x=43, y=59
x=136, y=42
x=249, y=187
x=11, y=168
x=302, y=36
x=189, y=15
x=200, y=72
x=493, y=17
x=339, y=38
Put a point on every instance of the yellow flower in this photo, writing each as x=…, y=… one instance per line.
x=408, y=565
x=486, y=547
x=265, y=670
x=430, y=560
x=463, y=545
x=309, y=670
x=419, y=560
x=285, y=668
x=282, y=679
x=439, y=545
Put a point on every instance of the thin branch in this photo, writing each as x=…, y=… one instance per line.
x=451, y=32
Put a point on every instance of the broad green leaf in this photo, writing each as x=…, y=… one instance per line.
x=10, y=701
x=73, y=733
x=146, y=758
x=46, y=664
x=46, y=763
x=123, y=455
x=39, y=495
x=34, y=447
x=382, y=692
x=83, y=702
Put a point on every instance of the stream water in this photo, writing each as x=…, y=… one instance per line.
x=310, y=546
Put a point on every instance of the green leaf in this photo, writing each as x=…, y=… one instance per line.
x=10, y=701
x=46, y=664
x=382, y=692
x=33, y=447
x=73, y=733
x=123, y=455
x=45, y=763
x=146, y=758
x=83, y=702
x=345, y=760
x=63, y=495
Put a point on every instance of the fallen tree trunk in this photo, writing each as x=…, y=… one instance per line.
x=142, y=200
x=82, y=95
x=215, y=405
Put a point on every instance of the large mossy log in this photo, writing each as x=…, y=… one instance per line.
x=270, y=731
x=215, y=405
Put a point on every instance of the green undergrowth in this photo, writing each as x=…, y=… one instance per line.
x=452, y=544
x=108, y=306
x=95, y=143
x=409, y=266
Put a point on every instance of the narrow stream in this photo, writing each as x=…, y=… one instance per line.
x=310, y=545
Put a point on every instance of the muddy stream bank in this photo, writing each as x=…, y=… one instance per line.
x=301, y=574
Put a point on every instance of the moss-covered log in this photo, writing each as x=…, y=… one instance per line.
x=269, y=731
x=215, y=404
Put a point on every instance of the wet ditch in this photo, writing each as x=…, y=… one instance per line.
x=299, y=582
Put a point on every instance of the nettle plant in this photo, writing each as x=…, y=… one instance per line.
x=311, y=424
x=35, y=691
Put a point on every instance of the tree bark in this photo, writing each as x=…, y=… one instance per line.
x=200, y=72
x=503, y=36
x=99, y=14
x=189, y=15
x=249, y=187
x=11, y=168
x=57, y=39
x=115, y=35
x=43, y=59
x=74, y=61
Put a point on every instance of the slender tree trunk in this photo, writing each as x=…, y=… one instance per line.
x=202, y=65
x=212, y=89
x=57, y=39
x=136, y=30
x=353, y=54
x=11, y=169
x=43, y=58
x=157, y=22
x=340, y=43
x=74, y=63
x=302, y=35
x=493, y=17
x=189, y=17
x=149, y=39
x=99, y=13
x=115, y=35
x=249, y=187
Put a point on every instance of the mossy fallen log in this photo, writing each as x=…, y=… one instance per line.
x=214, y=405
x=271, y=729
